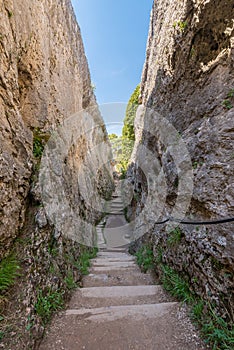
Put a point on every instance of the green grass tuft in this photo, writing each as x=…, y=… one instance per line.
x=175, y=284
x=215, y=330
x=47, y=303
x=145, y=258
x=69, y=280
x=83, y=263
x=230, y=93
x=174, y=237
x=2, y=335
x=197, y=310
x=227, y=104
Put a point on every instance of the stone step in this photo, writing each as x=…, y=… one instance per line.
x=115, y=210
x=101, y=245
x=136, y=327
x=116, y=214
x=123, y=277
x=116, y=291
x=112, y=313
x=117, y=295
x=151, y=327
x=119, y=307
x=120, y=250
x=116, y=207
x=116, y=204
x=117, y=267
x=111, y=260
x=106, y=263
x=113, y=254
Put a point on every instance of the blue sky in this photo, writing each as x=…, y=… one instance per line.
x=114, y=33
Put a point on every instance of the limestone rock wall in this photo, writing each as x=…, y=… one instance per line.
x=44, y=78
x=188, y=78
x=49, y=204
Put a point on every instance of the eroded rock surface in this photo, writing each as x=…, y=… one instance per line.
x=44, y=79
x=188, y=79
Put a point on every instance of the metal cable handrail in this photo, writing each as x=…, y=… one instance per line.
x=189, y=222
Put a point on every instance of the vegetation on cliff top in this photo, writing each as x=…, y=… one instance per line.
x=128, y=128
x=122, y=146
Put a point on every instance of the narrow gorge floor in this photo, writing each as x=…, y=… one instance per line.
x=119, y=307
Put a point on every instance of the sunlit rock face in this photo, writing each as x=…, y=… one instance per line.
x=188, y=79
x=50, y=200
x=44, y=80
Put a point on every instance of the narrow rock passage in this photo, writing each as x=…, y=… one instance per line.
x=119, y=307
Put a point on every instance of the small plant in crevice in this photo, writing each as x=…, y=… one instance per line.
x=196, y=164
x=227, y=104
x=30, y=324
x=145, y=258
x=174, y=236
x=2, y=335
x=38, y=144
x=53, y=251
x=69, y=281
x=181, y=25
x=9, y=270
x=53, y=248
x=39, y=141
x=48, y=302
x=10, y=13
x=230, y=93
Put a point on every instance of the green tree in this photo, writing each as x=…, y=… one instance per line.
x=122, y=146
x=116, y=144
x=112, y=137
x=128, y=128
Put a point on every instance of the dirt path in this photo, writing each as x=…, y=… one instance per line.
x=120, y=308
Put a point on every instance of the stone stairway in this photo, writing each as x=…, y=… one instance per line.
x=115, y=231
x=120, y=308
